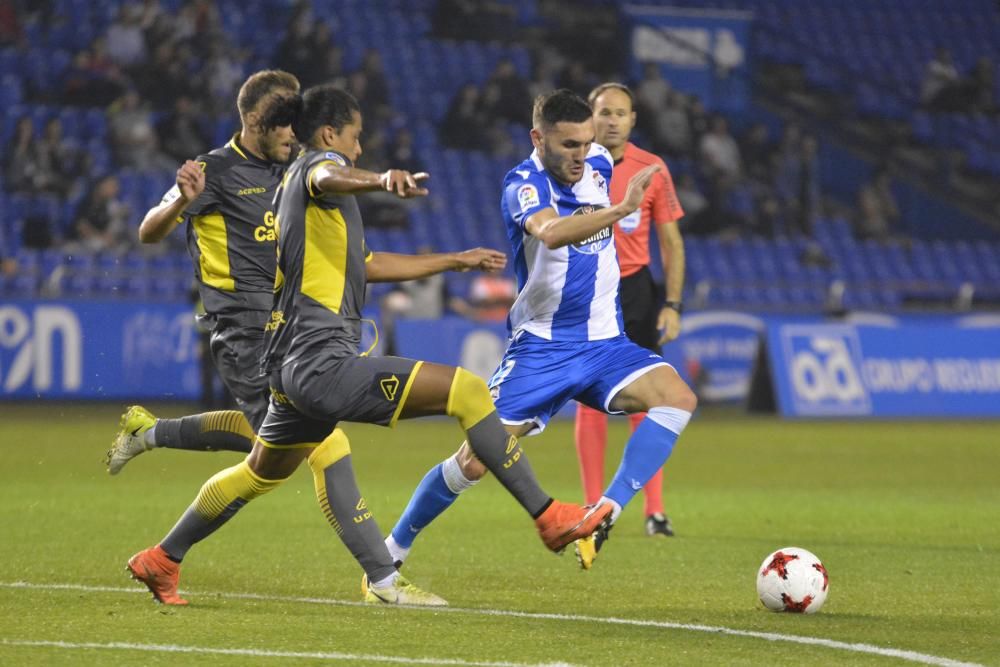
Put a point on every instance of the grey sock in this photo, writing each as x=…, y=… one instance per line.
x=207, y=432
x=348, y=513
x=192, y=528
x=501, y=453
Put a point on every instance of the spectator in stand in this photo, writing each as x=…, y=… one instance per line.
x=133, y=137
x=101, y=219
x=878, y=213
x=695, y=204
x=981, y=88
x=575, y=77
x=402, y=154
x=720, y=154
x=378, y=87
x=757, y=151
x=462, y=126
x=21, y=166
x=10, y=23
x=223, y=74
x=506, y=94
x=939, y=78
x=60, y=161
x=295, y=53
x=797, y=185
x=490, y=299
x=331, y=69
x=125, y=39
x=167, y=76
x=652, y=91
x=92, y=78
x=670, y=127
x=181, y=133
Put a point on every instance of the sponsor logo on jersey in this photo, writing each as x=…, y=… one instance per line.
x=527, y=197
x=338, y=158
x=250, y=191
x=597, y=241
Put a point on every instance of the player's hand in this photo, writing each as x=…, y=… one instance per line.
x=668, y=324
x=637, y=187
x=190, y=181
x=403, y=184
x=481, y=259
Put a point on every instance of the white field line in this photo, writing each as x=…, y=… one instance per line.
x=260, y=653
x=912, y=656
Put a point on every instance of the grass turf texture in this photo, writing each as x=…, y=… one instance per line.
x=904, y=515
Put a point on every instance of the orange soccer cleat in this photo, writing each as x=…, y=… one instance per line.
x=160, y=574
x=562, y=523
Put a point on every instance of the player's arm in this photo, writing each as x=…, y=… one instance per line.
x=556, y=231
x=666, y=212
x=387, y=267
x=162, y=218
x=332, y=178
x=672, y=256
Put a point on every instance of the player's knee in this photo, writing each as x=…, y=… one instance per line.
x=335, y=447
x=238, y=483
x=675, y=393
x=471, y=467
x=469, y=399
x=685, y=399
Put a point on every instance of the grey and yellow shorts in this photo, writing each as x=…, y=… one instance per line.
x=309, y=398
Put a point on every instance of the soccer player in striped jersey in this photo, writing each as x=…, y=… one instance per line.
x=649, y=319
x=567, y=334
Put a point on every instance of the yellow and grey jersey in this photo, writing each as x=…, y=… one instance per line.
x=320, y=282
x=230, y=235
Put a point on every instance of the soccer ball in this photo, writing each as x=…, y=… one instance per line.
x=792, y=579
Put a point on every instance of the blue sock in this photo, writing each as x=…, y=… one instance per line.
x=646, y=452
x=431, y=497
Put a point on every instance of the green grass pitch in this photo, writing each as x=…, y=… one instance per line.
x=906, y=517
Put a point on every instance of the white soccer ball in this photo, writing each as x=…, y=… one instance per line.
x=792, y=579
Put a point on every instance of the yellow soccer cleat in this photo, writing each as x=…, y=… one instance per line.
x=587, y=547
x=129, y=442
x=400, y=591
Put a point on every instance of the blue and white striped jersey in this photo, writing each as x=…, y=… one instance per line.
x=571, y=293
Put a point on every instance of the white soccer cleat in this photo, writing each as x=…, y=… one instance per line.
x=400, y=591
x=129, y=442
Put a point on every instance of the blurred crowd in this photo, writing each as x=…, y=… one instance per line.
x=166, y=84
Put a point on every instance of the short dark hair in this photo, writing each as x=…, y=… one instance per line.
x=611, y=85
x=560, y=106
x=324, y=105
x=261, y=84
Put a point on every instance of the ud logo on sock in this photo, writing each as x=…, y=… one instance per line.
x=389, y=387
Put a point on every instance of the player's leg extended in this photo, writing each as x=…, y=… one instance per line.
x=218, y=501
x=140, y=431
x=657, y=522
x=591, y=431
x=669, y=403
x=456, y=392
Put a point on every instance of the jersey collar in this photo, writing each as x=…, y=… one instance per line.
x=235, y=144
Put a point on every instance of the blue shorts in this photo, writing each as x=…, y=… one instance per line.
x=537, y=377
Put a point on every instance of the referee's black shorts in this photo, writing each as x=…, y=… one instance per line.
x=641, y=304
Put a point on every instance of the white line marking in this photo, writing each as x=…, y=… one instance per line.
x=260, y=653
x=912, y=656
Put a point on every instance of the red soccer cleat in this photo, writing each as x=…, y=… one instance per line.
x=160, y=574
x=563, y=523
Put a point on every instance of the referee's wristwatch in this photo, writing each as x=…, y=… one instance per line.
x=675, y=305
